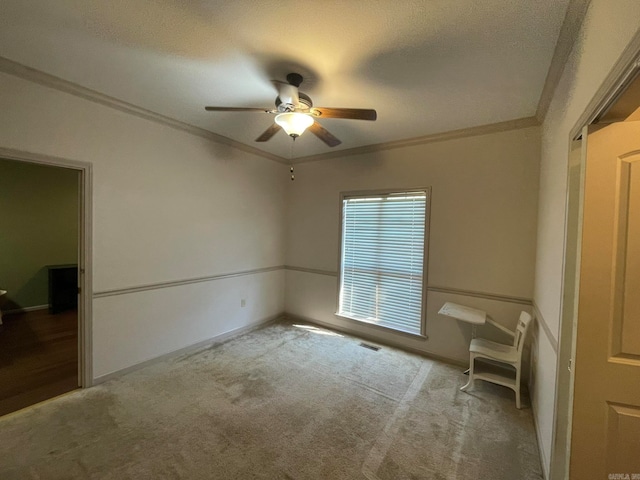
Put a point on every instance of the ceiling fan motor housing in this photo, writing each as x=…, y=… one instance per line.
x=305, y=102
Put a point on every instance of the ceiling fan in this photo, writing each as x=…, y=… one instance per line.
x=295, y=113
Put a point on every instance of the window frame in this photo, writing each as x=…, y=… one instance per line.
x=385, y=192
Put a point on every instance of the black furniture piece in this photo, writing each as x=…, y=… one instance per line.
x=63, y=287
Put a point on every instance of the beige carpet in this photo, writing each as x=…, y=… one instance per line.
x=283, y=402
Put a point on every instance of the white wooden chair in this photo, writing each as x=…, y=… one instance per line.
x=501, y=354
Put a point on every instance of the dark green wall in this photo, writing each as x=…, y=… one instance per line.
x=38, y=227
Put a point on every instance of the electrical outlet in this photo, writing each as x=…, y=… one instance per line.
x=243, y=303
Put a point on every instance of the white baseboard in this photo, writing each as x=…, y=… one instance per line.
x=25, y=309
x=372, y=338
x=221, y=338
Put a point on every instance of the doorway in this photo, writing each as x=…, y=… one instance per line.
x=597, y=408
x=42, y=348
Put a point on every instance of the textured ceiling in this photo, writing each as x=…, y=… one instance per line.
x=426, y=66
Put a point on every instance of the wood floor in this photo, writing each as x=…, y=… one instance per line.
x=38, y=357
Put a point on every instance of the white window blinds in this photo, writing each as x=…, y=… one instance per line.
x=382, y=261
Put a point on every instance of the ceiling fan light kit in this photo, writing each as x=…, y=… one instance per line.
x=295, y=113
x=294, y=123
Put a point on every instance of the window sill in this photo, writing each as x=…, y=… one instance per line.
x=382, y=328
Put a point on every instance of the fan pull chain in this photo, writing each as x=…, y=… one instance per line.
x=293, y=177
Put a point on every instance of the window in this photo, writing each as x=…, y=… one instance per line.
x=383, y=257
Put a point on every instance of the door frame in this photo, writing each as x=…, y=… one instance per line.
x=85, y=338
x=619, y=78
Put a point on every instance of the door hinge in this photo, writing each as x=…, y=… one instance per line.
x=570, y=364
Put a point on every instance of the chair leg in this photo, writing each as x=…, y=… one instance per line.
x=470, y=381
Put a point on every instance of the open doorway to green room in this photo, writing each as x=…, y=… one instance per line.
x=44, y=251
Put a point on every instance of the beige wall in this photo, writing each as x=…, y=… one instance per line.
x=482, y=229
x=608, y=28
x=167, y=206
x=39, y=227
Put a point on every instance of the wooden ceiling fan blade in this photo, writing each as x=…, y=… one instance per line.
x=347, y=113
x=268, y=133
x=324, y=134
x=237, y=109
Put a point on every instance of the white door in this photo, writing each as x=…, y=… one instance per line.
x=606, y=414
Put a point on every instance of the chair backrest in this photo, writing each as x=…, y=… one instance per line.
x=521, y=332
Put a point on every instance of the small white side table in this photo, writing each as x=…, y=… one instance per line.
x=466, y=314
x=473, y=316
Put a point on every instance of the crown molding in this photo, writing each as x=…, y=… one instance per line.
x=36, y=76
x=434, y=137
x=576, y=11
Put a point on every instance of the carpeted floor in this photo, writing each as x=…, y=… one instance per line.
x=284, y=402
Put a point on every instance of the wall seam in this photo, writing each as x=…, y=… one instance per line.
x=571, y=25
